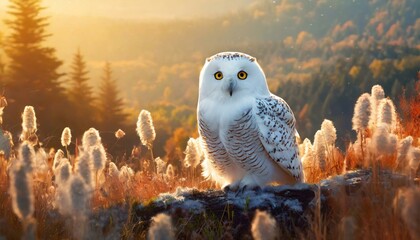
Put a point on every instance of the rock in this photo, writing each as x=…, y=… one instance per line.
x=293, y=207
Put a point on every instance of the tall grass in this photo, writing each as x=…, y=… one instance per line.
x=61, y=185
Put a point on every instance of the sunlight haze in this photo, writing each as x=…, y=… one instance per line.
x=164, y=9
x=160, y=140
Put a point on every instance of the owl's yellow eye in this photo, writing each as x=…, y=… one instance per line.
x=218, y=75
x=242, y=75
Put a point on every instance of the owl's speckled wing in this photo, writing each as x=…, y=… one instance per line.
x=276, y=124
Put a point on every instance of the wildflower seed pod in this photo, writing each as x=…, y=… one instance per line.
x=113, y=171
x=27, y=156
x=145, y=128
x=84, y=168
x=263, y=226
x=79, y=195
x=21, y=192
x=329, y=132
x=320, y=150
x=387, y=114
x=90, y=138
x=29, y=120
x=125, y=175
x=362, y=113
x=160, y=165
x=170, y=172
x=59, y=155
x=377, y=94
x=64, y=172
x=99, y=157
x=66, y=137
x=192, y=154
x=161, y=227
x=119, y=134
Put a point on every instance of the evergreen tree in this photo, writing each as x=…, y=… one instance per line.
x=33, y=77
x=1, y=63
x=111, y=115
x=81, y=96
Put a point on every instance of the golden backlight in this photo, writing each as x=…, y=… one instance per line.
x=348, y=69
x=140, y=9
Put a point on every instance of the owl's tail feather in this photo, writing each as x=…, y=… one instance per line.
x=212, y=173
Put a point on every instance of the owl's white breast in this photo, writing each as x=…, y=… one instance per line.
x=219, y=115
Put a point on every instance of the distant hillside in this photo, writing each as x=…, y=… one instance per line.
x=318, y=55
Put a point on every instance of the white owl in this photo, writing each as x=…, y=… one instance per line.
x=248, y=134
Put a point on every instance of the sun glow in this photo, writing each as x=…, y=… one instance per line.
x=140, y=9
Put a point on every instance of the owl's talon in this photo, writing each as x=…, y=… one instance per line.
x=246, y=188
x=256, y=189
x=240, y=191
x=232, y=187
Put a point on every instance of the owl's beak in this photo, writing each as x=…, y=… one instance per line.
x=231, y=86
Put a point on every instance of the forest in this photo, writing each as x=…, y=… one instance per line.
x=328, y=57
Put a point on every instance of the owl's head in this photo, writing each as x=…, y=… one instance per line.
x=230, y=75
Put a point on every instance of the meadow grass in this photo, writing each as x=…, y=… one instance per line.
x=375, y=211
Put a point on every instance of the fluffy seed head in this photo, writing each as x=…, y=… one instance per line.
x=402, y=151
x=21, y=192
x=170, y=173
x=329, y=132
x=84, y=168
x=79, y=195
x=380, y=138
x=90, y=138
x=125, y=174
x=59, y=155
x=29, y=120
x=393, y=141
x=27, y=156
x=66, y=137
x=160, y=165
x=62, y=199
x=406, y=203
x=145, y=128
x=263, y=226
x=414, y=158
x=377, y=94
x=320, y=149
x=6, y=143
x=41, y=161
x=365, y=146
x=362, y=112
x=3, y=104
x=113, y=171
x=305, y=148
x=119, y=134
x=99, y=157
x=161, y=228
x=192, y=153
x=63, y=172
x=387, y=114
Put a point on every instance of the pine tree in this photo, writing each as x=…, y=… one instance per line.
x=81, y=96
x=32, y=74
x=1, y=73
x=1, y=63
x=111, y=106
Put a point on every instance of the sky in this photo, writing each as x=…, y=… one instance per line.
x=165, y=9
